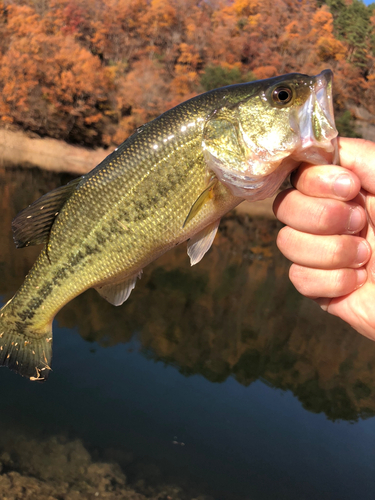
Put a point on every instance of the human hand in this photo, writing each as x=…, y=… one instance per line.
x=330, y=234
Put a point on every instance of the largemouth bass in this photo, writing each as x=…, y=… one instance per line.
x=170, y=182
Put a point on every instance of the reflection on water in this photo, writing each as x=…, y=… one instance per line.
x=226, y=335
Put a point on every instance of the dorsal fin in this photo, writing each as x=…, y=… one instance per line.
x=33, y=225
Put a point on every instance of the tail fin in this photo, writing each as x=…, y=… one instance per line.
x=25, y=352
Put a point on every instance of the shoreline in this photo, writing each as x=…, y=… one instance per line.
x=46, y=153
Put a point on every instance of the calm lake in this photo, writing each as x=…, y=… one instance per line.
x=212, y=382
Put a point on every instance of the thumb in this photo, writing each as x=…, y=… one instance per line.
x=358, y=155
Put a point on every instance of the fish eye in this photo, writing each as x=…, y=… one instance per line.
x=282, y=95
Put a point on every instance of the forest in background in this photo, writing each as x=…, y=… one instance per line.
x=90, y=71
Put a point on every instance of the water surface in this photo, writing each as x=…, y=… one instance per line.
x=220, y=379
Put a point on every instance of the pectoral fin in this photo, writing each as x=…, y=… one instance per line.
x=118, y=293
x=201, y=200
x=33, y=225
x=201, y=242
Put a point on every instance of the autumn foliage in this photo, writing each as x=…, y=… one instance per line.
x=91, y=71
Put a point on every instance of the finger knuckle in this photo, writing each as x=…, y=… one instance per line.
x=338, y=253
x=323, y=217
x=343, y=282
x=284, y=238
x=297, y=275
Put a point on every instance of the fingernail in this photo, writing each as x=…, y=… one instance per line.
x=342, y=186
x=361, y=277
x=323, y=302
x=363, y=253
x=355, y=220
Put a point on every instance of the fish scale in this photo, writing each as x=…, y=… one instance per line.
x=171, y=181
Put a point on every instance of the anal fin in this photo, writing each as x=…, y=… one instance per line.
x=33, y=225
x=118, y=293
x=199, y=244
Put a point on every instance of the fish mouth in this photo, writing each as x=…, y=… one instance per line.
x=316, y=123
